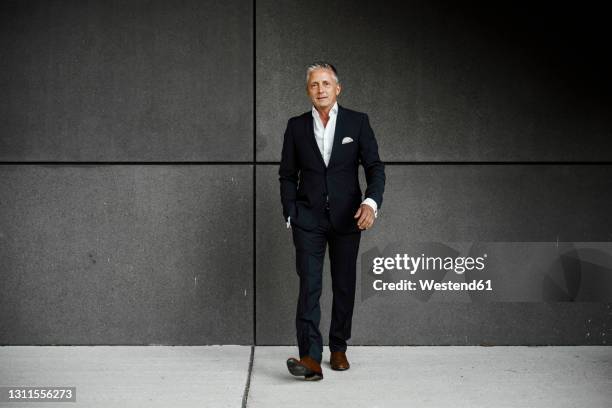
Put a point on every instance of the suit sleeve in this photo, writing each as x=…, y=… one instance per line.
x=288, y=173
x=372, y=165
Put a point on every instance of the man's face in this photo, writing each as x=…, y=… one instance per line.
x=322, y=88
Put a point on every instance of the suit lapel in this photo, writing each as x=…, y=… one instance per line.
x=339, y=131
x=312, y=140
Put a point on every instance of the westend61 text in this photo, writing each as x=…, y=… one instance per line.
x=432, y=285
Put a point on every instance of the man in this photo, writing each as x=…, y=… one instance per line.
x=322, y=203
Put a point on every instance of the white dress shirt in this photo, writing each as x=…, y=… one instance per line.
x=324, y=135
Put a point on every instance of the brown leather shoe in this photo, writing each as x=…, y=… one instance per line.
x=338, y=361
x=307, y=367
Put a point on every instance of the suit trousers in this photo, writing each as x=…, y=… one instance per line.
x=310, y=249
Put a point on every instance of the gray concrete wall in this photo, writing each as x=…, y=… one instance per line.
x=126, y=80
x=126, y=254
x=448, y=83
x=140, y=228
x=445, y=204
x=445, y=81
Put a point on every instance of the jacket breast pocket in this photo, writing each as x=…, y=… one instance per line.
x=349, y=148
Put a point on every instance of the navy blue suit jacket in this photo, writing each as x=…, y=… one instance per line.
x=306, y=183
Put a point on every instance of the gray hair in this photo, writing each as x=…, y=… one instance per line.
x=322, y=65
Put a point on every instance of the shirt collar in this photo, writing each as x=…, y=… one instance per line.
x=333, y=110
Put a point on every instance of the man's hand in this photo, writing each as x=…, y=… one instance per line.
x=365, y=213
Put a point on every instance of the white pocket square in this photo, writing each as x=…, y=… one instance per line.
x=346, y=140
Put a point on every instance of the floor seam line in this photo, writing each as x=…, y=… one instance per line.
x=245, y=395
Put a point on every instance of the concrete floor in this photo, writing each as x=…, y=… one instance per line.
x=217, y=376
